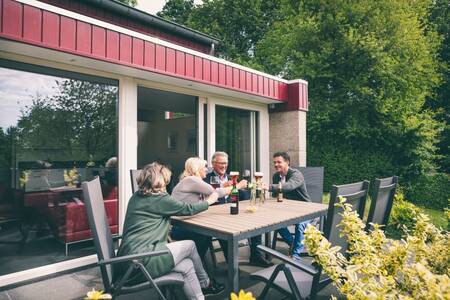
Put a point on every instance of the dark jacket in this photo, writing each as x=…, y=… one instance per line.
x=294, y=188
x=146, y=228
x=244, y=194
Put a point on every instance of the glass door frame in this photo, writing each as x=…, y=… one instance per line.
x=259, y=127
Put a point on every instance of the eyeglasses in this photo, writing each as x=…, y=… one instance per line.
x=221, y=163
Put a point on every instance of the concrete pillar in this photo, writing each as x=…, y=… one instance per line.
x=287, y=132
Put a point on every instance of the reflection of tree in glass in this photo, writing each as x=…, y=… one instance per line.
x=228, y=135
x=80, y=118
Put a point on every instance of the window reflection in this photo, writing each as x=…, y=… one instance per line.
x=55, y=132
x=233, y=136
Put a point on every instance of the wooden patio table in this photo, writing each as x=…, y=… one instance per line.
x=272, y=215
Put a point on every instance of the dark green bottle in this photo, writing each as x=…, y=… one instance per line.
x=234, y=197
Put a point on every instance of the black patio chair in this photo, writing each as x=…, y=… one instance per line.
x=134, y=175
x=314, y=177
x=104, y=246
x=298, y=278
x=382, y=197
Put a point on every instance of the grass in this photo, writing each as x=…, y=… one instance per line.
x=437, y=217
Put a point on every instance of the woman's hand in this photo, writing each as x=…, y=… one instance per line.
x=212, y=198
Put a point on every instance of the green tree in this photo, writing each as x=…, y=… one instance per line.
x=440, y=101
x=370, y=66
x=239, y=24
x=177, y=10
x=80, y=119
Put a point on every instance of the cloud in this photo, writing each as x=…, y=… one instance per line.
x=18, y=88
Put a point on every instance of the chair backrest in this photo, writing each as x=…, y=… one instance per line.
x=314, y=182
x=98, y=223
x=356, y=194
x=134, y=175
x=382, y=199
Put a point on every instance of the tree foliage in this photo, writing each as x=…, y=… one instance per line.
x=377, y=74
x=440, y=100
x=239, y=24
x=80, y=119
x=370, y=66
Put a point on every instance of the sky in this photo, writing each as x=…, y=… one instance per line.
x=153, y=6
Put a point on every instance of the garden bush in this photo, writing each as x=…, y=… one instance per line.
x=431, y=191
x=346, y=164
x=417, y=267
x=403, y=217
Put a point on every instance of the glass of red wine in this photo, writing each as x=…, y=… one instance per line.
x=214, y=181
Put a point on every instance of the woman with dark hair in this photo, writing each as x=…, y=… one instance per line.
x=146, y=229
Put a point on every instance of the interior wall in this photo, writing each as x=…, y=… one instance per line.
x=153, y=142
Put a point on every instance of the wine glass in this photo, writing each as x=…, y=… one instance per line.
x=214, y=181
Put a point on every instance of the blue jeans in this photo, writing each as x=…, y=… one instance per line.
x=296, y=241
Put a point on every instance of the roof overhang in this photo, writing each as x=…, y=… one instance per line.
x=44, y=31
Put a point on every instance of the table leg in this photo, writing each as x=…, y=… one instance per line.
x=233, y=264
x=267, y=243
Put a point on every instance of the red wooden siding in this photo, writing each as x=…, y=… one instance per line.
x=32, y=23
x=25, y=23
x=113, y=18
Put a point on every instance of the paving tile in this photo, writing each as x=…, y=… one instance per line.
x=76, y=285
x=4, y=296
x=62, y=287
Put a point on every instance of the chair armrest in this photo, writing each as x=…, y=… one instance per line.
x=132, y=257
x=117, y=237
x=308, y=269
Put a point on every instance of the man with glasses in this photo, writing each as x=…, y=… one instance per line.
x=220, y=166
x=219, y=171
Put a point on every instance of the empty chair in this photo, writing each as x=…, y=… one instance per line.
x=382, y=199
x=314, y=186
x=105, y=249
x=314, y=182
x=134, y=175
x=302, y=280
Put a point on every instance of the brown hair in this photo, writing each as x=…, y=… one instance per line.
x=153, y=178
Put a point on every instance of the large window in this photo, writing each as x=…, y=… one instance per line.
x=57, y=129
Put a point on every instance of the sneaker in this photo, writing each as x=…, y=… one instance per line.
x=214, y=288
x=297, y=257
x=258, y=260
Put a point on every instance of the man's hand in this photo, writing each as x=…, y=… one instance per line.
x=242, y=184
x=212, y=198
x=264, y=186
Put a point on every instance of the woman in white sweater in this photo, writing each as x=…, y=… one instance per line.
x=192, y=189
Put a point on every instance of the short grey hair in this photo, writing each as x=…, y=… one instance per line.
x=219, y=153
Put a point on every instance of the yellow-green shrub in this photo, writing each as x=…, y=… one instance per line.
x=417, y=267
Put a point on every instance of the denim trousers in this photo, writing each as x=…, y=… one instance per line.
x=296, y=241
x=189, y=265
